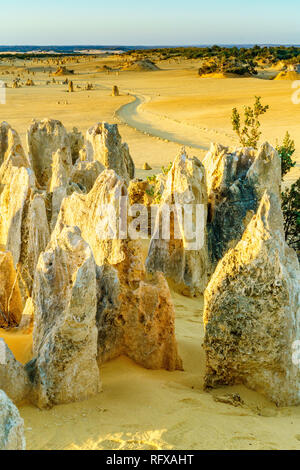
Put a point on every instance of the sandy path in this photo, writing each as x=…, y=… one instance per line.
x=134, y=115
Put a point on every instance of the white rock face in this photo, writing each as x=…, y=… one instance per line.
x=10, y=144
x=252, y=311
x=12, y=203
x=11, y=425
x=236, y=181
x=64, y=368
x=44, y=138
x=58, y=185
x=85, y=173
x=35, y=236
x=13, y=378
x=183, y=258
x=103, y=143
x=24, y=227
x=85, y=212
x=76, y=142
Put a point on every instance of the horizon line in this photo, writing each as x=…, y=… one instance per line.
x=153, y=45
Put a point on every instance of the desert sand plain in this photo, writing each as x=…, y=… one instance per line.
x=157, y=113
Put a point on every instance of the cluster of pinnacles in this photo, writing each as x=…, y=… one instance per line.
x=92, y=297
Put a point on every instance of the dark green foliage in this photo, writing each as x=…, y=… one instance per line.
x=243, y=54
x=224, y=64
x=249, y=134
x=291, y=213
x=291, y=196
x=286, y=151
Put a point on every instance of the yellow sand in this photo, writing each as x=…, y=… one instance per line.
x=138, y=408
x=287, y=75
x=18, y=342
x=143, y=409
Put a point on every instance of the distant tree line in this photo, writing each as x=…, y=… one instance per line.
x=271, y=54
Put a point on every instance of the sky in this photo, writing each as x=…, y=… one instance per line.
x=151, y=22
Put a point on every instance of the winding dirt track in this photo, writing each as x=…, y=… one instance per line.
x=135, y=115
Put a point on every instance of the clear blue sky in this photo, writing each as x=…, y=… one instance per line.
x=149, y=22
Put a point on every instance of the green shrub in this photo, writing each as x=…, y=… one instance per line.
x=249, y=134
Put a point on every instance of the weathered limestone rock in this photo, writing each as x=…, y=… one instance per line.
x=138, y=192
x=103, y=143
x=85, y=173
x=146, y=166
x=61, y=168
x=24, y=227
x=136, y=319
x=12, y=202
x=26, y=324
x=236, y=181
x=64, y=368
x=115, y=91
x=88, y=212
x=265, y=172
x=11, y=425
x=13, y=378
x=251, y=313
x=83, y=155
x=135, y=315
x=35, y=236
x=183, y=256
x=8, y=168
x=43, y=139
x=10, y=144
x=11, y=306
x=76, y=142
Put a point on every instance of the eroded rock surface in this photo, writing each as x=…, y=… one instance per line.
x=11, y=425
x=103, y=143
x=35, y=236
x=44, y=138
x=183, y=256
x=61, y=169
x=76, y=143
x=135, y=315
x=10, y=143
x=13, y=378
x=12, y=204
x=136, y=319
x=251, y=313
x=85, y=173
x=236, y=181
x=11, y=306
x=64, y=368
